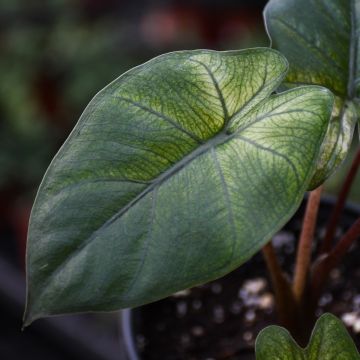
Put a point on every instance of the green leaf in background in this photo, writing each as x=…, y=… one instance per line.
x=177, y=172
x=320, y=40
x=329, y=341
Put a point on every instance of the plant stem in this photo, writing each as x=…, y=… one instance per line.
x=345, y=242
x=339, y=206
x=272, y=263
x=326, y=263
x=303, y=257
x=285, y=303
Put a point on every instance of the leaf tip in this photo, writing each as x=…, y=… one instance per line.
x=30, y=315
x=27, y=320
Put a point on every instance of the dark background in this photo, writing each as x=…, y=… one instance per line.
x=55, y=56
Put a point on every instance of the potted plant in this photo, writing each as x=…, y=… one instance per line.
x=184, y=167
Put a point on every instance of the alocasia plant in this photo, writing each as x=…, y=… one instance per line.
x=329, y=341
x=184, y=167
x=177, y=172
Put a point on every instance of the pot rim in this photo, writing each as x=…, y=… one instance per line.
x=127, y=335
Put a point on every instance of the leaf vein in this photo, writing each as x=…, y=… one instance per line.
x=161, y=116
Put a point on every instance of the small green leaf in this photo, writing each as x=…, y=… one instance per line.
x=329, y=341
x=177, y=172
x=319, y=38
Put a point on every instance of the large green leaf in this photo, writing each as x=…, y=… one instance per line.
x=177, y=172
x=320, y=40
x=329, y=341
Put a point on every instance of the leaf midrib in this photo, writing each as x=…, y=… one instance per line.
x=221, y=137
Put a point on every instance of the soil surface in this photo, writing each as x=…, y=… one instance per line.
x=220, y=320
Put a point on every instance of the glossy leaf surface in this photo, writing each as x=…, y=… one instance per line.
x=177, y=172
x=329, y=341
x=320, y=40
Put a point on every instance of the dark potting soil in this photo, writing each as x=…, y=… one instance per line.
x=220, y=320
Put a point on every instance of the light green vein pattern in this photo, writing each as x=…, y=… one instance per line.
x=177, y=173
x=329, y=341
x=320, y=39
